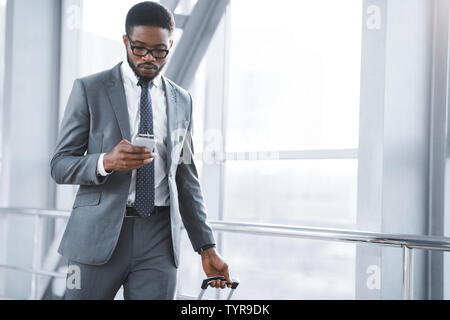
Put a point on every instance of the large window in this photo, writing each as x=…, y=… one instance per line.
x=294, y=86
x=292, y=73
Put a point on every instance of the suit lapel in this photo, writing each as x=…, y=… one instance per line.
x=116, y=93
x=171, y=119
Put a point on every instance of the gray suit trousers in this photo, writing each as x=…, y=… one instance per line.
x=142, y=262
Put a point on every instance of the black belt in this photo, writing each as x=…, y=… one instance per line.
x=132, y=212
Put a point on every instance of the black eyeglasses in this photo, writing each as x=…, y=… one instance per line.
x=142, y=51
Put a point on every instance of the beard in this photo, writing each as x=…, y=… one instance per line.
x=138, y=75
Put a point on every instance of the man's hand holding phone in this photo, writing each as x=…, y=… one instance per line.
x=125, y=157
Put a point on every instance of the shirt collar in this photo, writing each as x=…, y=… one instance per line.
x=129, y=75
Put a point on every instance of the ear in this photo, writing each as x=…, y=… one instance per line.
x=171, y=44
x=125, y=40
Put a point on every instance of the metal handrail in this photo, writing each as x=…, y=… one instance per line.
x=332, y=234
x=405, y=241
x=36, y=212
x=35, y=271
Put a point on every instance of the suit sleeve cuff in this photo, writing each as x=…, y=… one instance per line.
x=203, y=248
x=100, y=168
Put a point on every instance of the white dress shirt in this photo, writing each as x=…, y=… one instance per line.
x=159, y=107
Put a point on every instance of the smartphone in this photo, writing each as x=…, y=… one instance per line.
x=144, y=140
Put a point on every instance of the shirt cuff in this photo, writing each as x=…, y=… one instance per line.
x=100, y=168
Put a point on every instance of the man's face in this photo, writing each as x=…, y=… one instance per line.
x=145, y=37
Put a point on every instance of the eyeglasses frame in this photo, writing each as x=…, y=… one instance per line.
x=148, y=50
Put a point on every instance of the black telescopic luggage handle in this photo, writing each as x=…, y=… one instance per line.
x=207, y=281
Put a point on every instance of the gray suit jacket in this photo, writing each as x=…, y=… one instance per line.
x=95, y=121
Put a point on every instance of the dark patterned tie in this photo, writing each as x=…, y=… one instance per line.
x=145, y=176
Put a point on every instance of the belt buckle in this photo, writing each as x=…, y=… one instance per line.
x=130, y=215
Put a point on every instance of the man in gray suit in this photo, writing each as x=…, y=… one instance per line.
x=124, y=228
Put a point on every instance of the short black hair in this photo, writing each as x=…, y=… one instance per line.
x=149, y=13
